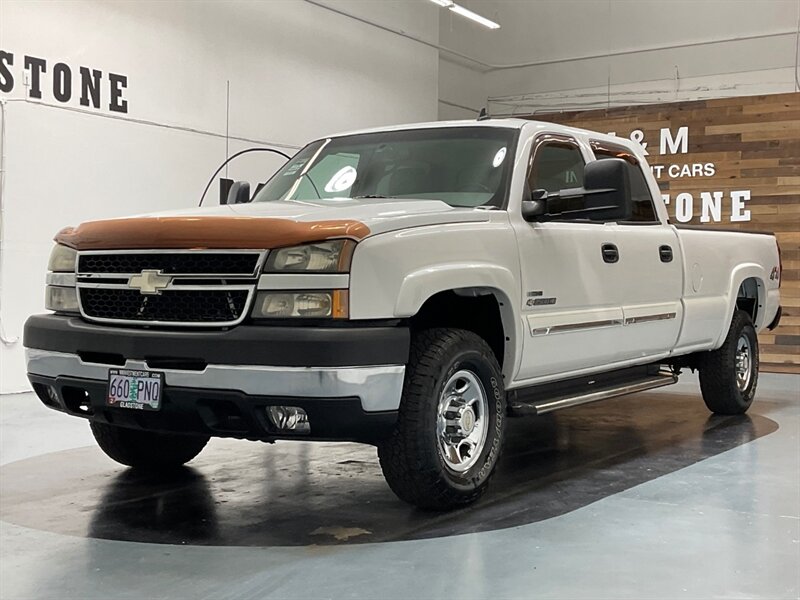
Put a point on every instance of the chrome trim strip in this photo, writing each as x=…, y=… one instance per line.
x=378, y=387
x=650, y=318
x=61, y=279
x=570, y=327
x=304, y=281
x=646, y=384
x=170, y=287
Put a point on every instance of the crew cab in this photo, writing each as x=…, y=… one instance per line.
x=408, y=287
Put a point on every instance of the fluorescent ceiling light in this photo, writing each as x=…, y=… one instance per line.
x=465, y=12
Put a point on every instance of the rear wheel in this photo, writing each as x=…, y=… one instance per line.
x=147, y=450
x=450, y=428
x=729, y=375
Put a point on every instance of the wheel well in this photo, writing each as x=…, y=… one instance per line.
x=474, y=309
x=747, y=297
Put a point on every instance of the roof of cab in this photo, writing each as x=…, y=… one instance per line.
x=505, y=123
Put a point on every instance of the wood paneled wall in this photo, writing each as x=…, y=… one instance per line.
x=754, y=144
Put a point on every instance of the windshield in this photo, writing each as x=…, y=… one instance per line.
x=462, y=166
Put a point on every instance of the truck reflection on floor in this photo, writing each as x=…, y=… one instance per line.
x=294, y=494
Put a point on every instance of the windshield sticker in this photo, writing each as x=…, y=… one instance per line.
x=295, y=167
x=499, y=157
x=341, y=180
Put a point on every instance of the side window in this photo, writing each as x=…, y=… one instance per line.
x=556, y=166
x=643, y=209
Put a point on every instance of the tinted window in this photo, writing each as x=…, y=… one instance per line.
x=643, y=209
x=462, y=166
x=556, y=167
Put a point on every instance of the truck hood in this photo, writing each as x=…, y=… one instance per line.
x=264, y=224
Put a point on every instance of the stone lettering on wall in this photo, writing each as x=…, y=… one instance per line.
x=66, y=84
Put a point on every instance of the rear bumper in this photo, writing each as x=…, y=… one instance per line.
x=349, y=380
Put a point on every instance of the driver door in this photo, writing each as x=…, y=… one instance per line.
x=571, y=305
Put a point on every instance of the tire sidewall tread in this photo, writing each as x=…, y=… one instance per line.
x=410, y=458
x=718, y=370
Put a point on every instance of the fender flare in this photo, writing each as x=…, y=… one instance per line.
x=418, y=286
x=738, y=275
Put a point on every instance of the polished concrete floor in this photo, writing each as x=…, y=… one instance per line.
x=646, y=496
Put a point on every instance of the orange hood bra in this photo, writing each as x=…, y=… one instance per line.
x=205, y=232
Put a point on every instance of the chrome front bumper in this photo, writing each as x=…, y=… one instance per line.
x=378, y=387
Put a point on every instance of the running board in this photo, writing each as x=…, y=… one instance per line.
x=517, y=408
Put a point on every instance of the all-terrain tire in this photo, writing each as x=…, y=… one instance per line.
x=412, y=459
x=147, y=450
x=722, y=392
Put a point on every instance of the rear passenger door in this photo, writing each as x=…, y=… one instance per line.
x=650, y=255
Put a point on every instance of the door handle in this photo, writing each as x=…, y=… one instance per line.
x=610, y=253
x=665, y=253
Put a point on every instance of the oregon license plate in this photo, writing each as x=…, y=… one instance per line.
x=139, y=390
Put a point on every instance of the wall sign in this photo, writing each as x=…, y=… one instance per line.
x=62, y=82
x=731, y=163
x=676, y=141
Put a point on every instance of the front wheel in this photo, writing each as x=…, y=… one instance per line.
x=449, y=434
x=729, y=375
x=147, y=450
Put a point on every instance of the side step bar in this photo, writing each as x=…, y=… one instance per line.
x=547, y=405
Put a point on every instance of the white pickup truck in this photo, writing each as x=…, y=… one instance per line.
x=408, y=287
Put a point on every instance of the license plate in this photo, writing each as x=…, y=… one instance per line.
x=139, y=390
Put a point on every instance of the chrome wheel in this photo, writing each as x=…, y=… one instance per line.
x=463, y=421
x=744, y=362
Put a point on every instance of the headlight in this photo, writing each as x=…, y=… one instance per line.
x=326, y=257
x=62, y=259
x=310, y=305
x=61, y=299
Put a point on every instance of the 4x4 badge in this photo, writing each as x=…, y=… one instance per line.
x=149, y=281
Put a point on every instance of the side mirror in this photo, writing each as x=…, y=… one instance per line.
x=535, y=205
x=239, y=193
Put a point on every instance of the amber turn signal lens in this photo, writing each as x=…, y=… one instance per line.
x=341, y=304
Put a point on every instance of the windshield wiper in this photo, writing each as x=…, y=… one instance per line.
x=367, y=196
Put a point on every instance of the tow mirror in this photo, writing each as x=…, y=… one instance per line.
x=606, y=195
x=607, y=189
x=534, y=205
x=239, y=193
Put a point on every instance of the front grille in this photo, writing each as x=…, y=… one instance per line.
x=171, y=263
x=181, y=306
x=195, y=288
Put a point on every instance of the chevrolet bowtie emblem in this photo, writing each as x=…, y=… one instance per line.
x=149, y=281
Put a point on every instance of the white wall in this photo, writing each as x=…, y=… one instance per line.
x=562, y=36
x=296, y=71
